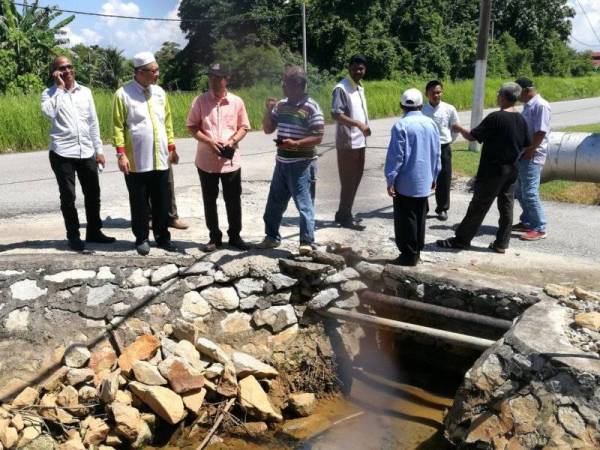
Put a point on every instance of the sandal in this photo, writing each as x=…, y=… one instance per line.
x=497, y=249
x=451, y=243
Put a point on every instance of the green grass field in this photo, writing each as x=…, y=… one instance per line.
x=23, y=128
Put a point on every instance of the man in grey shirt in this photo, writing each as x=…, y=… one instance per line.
x=75, y=148
x=536, y=113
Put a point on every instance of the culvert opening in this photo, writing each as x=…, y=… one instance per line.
x=266, y=306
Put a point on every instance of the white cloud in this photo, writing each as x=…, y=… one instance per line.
x=119, y=8
x=134, y=36
x=582, y=35
x=87, y=36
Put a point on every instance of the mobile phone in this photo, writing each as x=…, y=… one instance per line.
x=278, y=141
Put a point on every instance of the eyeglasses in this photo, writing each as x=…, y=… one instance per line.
x=65, y=67
x=153, y=71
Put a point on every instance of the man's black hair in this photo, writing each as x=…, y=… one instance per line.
x=432, y=84
x=524, y=82
x=358, y=59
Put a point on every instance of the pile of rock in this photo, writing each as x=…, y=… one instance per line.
x=106, y=400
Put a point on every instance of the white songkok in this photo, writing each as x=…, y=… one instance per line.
x=143, y=58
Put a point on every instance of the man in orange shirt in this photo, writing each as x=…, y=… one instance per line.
x=218, y=121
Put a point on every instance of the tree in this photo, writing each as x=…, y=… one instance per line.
x=28, y=38
x=165, y=57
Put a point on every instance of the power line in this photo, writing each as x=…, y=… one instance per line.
x=246, y=16
x=588, y=20
x=584, y=43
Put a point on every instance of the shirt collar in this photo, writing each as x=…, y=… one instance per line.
x=533, y=100
x=353, y=83
x=224, y=99
x=300, y=102
x=413, y=113
x=141, y=88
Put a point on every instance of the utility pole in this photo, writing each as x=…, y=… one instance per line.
x=304, y=35
x=485, y=15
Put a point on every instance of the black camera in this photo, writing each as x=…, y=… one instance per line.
x=227, y=151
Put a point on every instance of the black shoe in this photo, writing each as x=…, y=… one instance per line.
x=167, y=246
x=352, y=225
x=442, y=215
x=239, y=243
x=497, y=249
x=212, y=246
x=143, y=248
x=76, y=244
x=100, y=238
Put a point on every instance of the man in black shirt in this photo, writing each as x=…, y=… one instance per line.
x=504, y=136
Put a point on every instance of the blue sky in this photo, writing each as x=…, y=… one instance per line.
x=133, y=36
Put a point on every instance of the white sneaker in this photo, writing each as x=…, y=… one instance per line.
x=267, y=243
x=305, y=249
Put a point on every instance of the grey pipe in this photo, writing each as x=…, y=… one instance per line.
x=442, y=311
x=573, y=157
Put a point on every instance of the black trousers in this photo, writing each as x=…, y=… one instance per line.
x=444, y=180
x=410, y=214
x=232, y=194
x=87, y=171
x=500, y=185
x=153, y=185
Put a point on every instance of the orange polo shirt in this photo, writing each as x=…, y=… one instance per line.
x=219, y=119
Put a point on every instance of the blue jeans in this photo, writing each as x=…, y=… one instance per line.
x=527, y=192
x=295, y=180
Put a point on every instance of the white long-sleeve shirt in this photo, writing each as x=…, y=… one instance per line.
x=74, y=132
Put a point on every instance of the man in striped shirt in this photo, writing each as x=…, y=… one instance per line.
x=299, y=123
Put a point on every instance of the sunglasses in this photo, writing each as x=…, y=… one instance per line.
x=154, y=71
x=65, y=67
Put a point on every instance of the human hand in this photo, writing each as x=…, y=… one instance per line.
x=124, y=164
x=100, y=159
x=60, y=83
x=174, y=157
x=366, y=130
x=433, y=185
x=528, y=153
x=289, y=143
x=270, y=103
x=391, y=190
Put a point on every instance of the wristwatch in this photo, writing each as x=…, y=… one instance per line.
x=118, y=155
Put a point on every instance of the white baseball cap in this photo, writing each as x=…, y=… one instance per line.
x=411, y=97
x=143, y=58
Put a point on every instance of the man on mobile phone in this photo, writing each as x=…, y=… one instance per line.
x=75, y=148
x=349, y=109
x=218, y=121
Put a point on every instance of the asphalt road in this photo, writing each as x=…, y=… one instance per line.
x=29, y=205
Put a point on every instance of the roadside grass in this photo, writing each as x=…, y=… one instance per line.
x=23, y=128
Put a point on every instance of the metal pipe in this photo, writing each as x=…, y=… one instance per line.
x=573, y=156
x=304, y=56
x=428, y=308
x=403, y=327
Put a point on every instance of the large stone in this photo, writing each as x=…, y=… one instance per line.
x=137, y=279
x=370, y=271
x=68, y=397
x=323, y=298
x=42, y=442
x=582, y=294
x=281, y=281
x=221, y=298
x=198, y=268
x=144, y=292
x=248, y=286
x=94, y=430
x=26, y=290
x=572, y=421
x=79, y=376
x=98, y=295
x=77, y=356
x=17, y=320
x=228, y=385
x=103, y=358
x=248, y=365
x=194, y=400
x=71, y=275
x=590, y=320
x=353, y=286
x=188, y=351
x=249, y=302
x=87, y=394
x=127, y=419
x=254, y=399
x=27, y=397
x=302, y=269
x=212, y=350
x=164, y=273
x=105, y=274
x=280, y=341
x=109, y=385
x=181, y=375
x=331, y=259
x=147, y=373
x=194, y=306
x=236, y=322
x=8, y=435
x=348, y=301
x=199, y=281
x=163, y=401
x=276, y=317
x=558, y=290
x=256, y=266
x=302, y=404
x=142, y=349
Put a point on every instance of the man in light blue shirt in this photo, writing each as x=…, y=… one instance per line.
x=411, y=167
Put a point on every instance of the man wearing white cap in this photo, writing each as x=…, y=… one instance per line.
x=144, y=139
x=411, y=167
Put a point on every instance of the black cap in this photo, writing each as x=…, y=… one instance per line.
x=525, y=83
x=218, y=70
x=357, y=59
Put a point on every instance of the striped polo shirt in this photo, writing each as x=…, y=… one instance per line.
x=296, y=121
